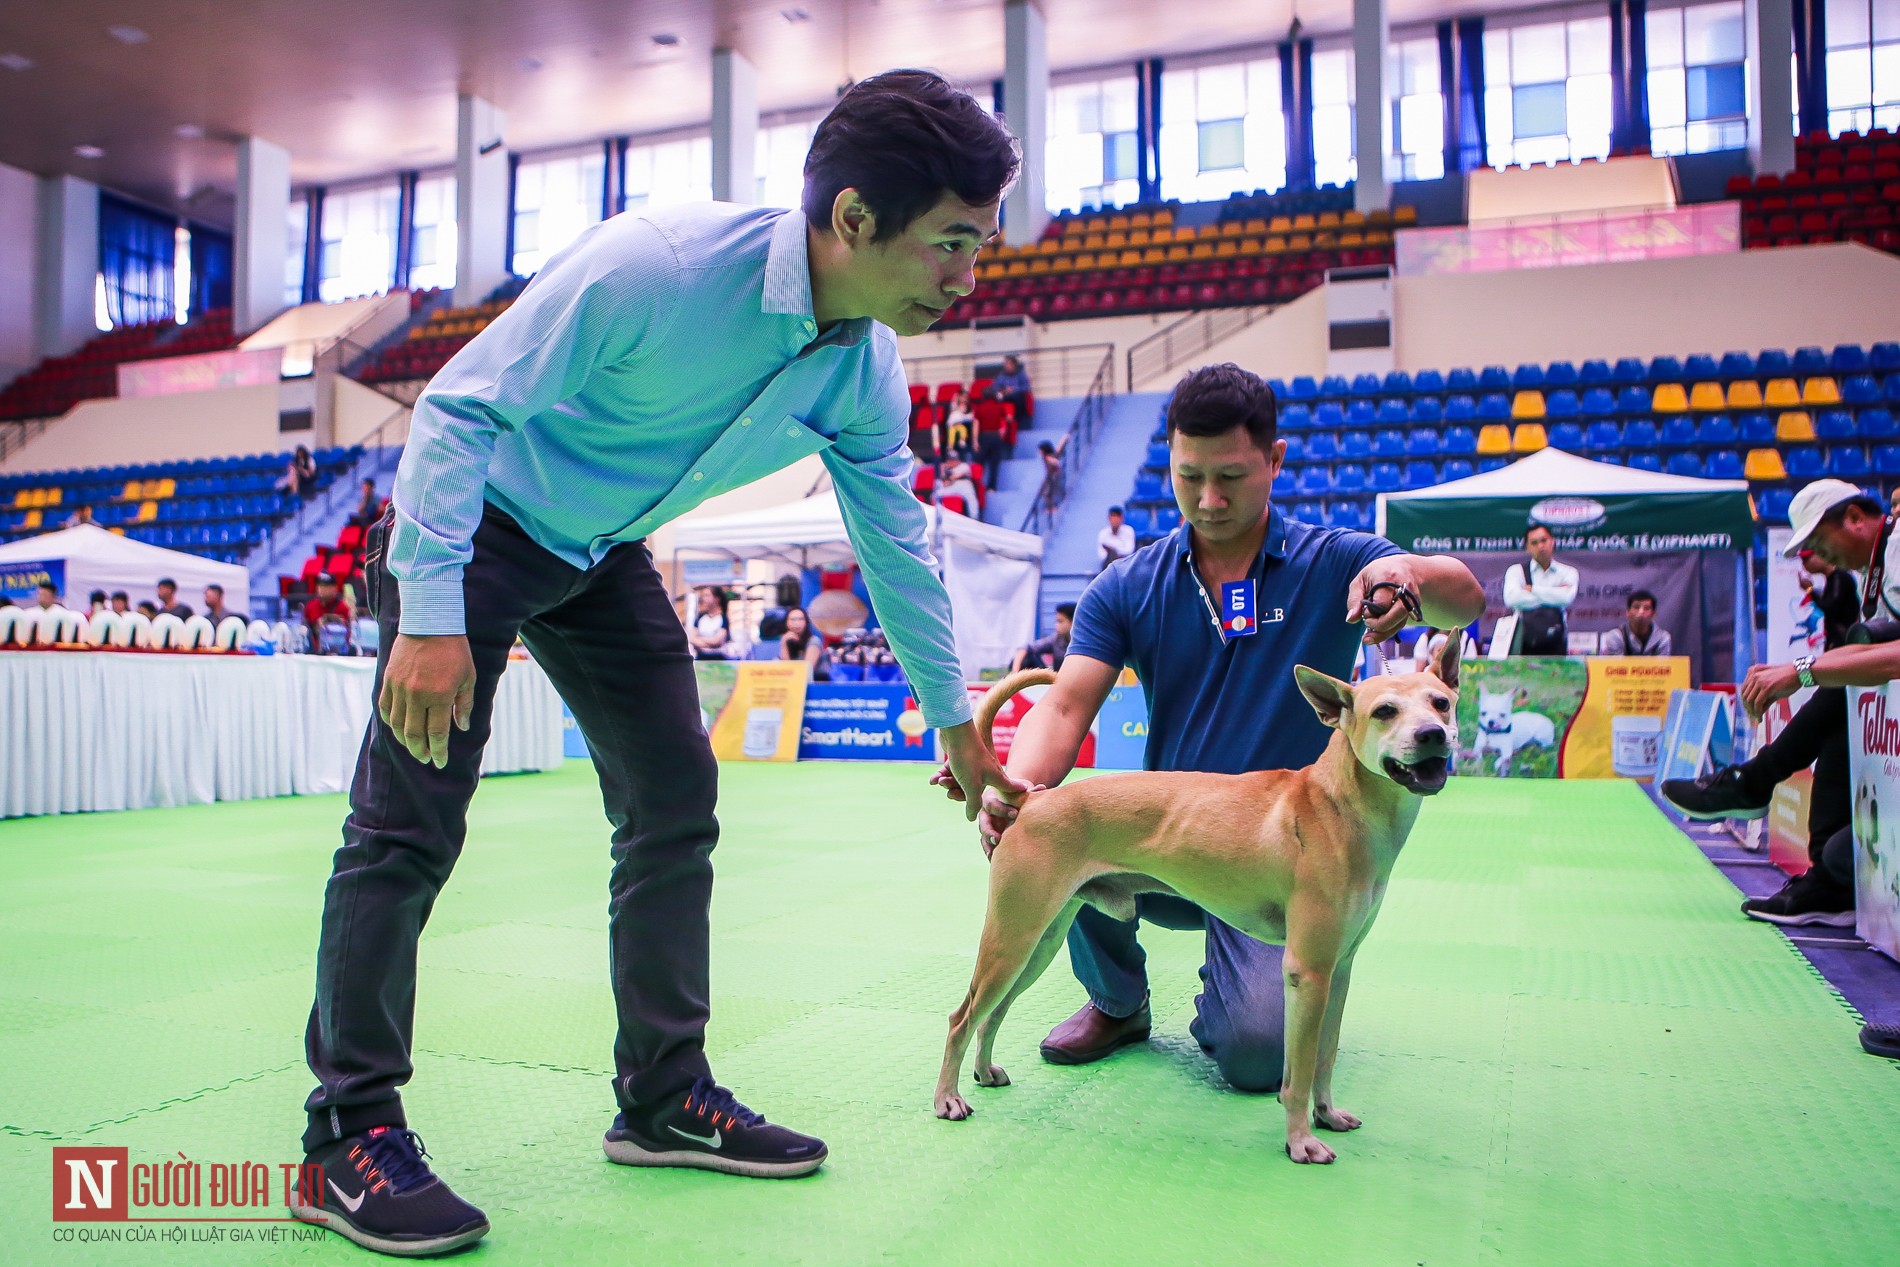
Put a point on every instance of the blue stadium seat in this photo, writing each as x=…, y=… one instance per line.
x=1360, y=413
x=1315, y=482
x=1296, y=418
x=1295, y=450
x=1633, y=400
x=1774, y=504
x=1887, y=459
x=1388, y=444
x=1562, y=403
x=1461, y=380
x=1640, y=434
x=1460, y=440
x=1433, y=382
x=1421, y=442
x=1560, y=374
x=1348, y=515
x=1167, y=519
x=1310, y=512
x=1860, y=389
x=1647, y=461
x=1455, y=469
x=1494, y=378
x=1724, y=464
x=1882, y=358
x=1397, y=383
x=1328, y=416
x=1148, y=486
x=1276, y=385
x=1665, y=369
x=1757, y=429
x=1393, y=413
x=1428, y=410
x=1628, y=370
x=1603, y=436
x=1700, y=368
x=1527, y=378
x=1460, y=409
x=1773, y=363
x=1678, y=432
x=1805, y=462
x=1598, y=403
x=1157, y=457
x=1349, y=478
x=1386, y=477
x=1302, y=388
x=1716, y=429
x=1284, y=484
x=1809, y=360
x=1834, y=424
x=1877, y=424
x=1567, y=436
x=1848, y=358
x=1848, y=462
x=1487, y=465
x=1365, y=384
x=1420, y=475
x=1495, y=407
x=1688, y=464
x=1890, y=390
x=1594, y=374
x=1356, y=445
x=1322, y=446
x=1334, y=385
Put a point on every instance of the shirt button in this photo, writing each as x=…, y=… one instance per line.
x=791, y=431
x=745, y=422
x=699, y=475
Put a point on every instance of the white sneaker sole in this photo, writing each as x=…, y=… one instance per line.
x=1832, y=919
x=624, y=1152
x=339, y=1223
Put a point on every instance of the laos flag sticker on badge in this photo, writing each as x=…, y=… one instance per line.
x=1237, y=610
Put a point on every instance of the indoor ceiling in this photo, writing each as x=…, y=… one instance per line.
x=163, y=89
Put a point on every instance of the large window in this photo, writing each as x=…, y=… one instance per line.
x=358, y=251
x=1418, y=109
x=1090, y=154
x=1333, y=91
x=1863, y=65
x=1698, y=79
x=780, y=159
x=296, y=233
x=1223, y=129
x=1547, y=91
x=555, y=200
x=669, y=171
x=432, y=235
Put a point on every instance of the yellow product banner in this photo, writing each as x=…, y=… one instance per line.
x=1617, y=732
x=761, y=719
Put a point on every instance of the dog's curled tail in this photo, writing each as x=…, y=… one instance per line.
x=999, y=695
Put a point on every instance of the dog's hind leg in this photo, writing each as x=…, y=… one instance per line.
x=988, y=1072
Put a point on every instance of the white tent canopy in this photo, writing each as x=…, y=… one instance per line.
x=1554, y=473
x=95, y=559
x=992, y=573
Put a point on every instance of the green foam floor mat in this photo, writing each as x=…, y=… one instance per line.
x=1568, y=1046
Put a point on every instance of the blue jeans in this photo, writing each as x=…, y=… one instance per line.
x=1240, y=1014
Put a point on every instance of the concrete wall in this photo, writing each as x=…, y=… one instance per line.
x=19, y=211
x=234, y=420
x=1120, y=331
x=1289, y=341
x=356, y=412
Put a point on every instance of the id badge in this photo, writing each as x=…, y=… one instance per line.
x=1237, y=610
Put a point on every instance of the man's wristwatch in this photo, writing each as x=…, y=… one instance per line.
x=1804, y=670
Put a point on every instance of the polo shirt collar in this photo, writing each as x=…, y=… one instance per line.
x=1273, y=546
x=788, y=283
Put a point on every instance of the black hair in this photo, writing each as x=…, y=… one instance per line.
x=48, y=585
x=1043, y=446
x=120, y=596
x=1117, y=510
x=97, y=596
x=902, y=140
x=166, y=580
x=1639, y=596
x=1066, y=609
x=1860, y=501
x=215, y=586
x=1536, y=527
x=1214, y=399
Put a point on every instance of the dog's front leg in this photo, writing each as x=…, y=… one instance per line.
x=1308, y=969
x=1325, y=1115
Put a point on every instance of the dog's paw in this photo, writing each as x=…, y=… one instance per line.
x=1332, y=1119
x=991, y=1076
x=952, y=1107
x=1308, y=1151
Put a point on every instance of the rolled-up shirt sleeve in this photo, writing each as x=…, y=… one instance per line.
x=593, y=304
x=870, y=465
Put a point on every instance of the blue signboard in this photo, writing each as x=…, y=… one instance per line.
x=1121, y=730
x=864, y=721
x=572, y=742
x=20, y=582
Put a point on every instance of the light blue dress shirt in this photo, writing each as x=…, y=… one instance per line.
x=664, y=358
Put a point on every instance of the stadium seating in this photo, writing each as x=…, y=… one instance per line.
x=58, y=383
x=1844, y=188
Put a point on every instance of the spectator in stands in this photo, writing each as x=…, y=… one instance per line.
x=959, y=481
x=121, y=602
x=1011, y=387
x=1538, y=591
x=993, y=429
x=168, y=599
x=709, y=634
x=300, y=474
x=369, y=507
x=215, y=610
x=801, y=642
x=80, y=515
x=95, y=603
x=1117, y=541
x=1638, y=634
x=148, y=609
x=47, y=595
x=958, y=422
x=1838, y=601
x=1049, y=652
x=330, y=607
x=1051, y=491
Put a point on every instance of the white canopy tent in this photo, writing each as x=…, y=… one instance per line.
x=992, y=573
x=93, y=559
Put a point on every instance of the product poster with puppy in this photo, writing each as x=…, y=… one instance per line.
x=1874, y=766
x=1550, y=717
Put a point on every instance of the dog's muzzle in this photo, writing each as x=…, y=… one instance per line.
x=1422, y=777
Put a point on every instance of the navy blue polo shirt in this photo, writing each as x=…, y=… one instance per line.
x=1231, y=707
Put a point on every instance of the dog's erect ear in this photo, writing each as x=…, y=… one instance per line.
x=1330, y=697
x=1520, y=696
x=1446, y=666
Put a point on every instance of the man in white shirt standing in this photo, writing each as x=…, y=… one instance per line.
x=1117, y=541
x=1539, y=591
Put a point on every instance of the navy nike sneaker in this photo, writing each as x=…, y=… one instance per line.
x=710, y=1130
x=379, y=1192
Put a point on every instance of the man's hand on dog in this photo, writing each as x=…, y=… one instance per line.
x=972, y=776
x=1373, y=598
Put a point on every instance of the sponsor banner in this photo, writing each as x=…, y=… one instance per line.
x=752, y=708
x=1640, y=522
x=1547, y=717
x=1704, y=229
x=864, y=721
x=1004, y=732
x=1794, y=622
x=1698, y=735
x=1787, y=821
x=175, y=375
x=1121, y=729
x=20, y=582
x=1618, y=729
x=1874, y=766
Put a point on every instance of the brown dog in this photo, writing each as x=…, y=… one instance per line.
x=1299, y=857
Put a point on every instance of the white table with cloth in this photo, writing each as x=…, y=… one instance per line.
x=123, y=730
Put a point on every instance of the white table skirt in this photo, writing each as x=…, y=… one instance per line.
x=111, y=731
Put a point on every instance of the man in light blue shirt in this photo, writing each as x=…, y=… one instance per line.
x=662, y=359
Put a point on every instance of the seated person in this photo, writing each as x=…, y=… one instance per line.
x=709, y=634
x=1048, y=653
x=369, y=507
x=959, y=481
x=1639, y=634
x=801, y=642
x=329, y=619
x=994, y=428
x=1011, y=386
x=954, y=435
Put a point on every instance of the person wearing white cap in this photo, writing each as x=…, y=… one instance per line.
x=1847, y=528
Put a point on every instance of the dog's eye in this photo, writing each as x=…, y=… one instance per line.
x=1440, y=703
x=1385, y=712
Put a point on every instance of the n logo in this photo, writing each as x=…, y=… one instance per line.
x=89, y=1185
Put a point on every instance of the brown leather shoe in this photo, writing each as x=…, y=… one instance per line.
x=1092, y=1034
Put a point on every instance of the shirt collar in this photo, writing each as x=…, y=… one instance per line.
x=788, y=283
x=1273, y=546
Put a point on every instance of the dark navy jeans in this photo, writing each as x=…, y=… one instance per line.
x=612, y=644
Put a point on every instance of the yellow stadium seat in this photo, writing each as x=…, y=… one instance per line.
x=52, y=497
x=1117, y=221
x=1704, y=396
x=1781, y=393
x=1764, y=466
x=1494, y=440
x=1250, y=246
x=1154, y=255
x=1202, y=251
x=1084, y=262
x=1164, y=216
x=1095, y=241
x=1820, y=391
x=1273, y=246
x=32, y=519
x=23, y=498
x=1280, y=224
x=1405, y=215
x=1255, y=226
x=1178, y=252
x=1744, y=393
x=1225, y=248
x=1352, y=217
x=1528, y=437
x=1325, y=239
x=117, y=532
x=1327, y=220
x=1378, y=215
x=1669, y=398
x=131, y=490
x=148, y=511
x=1128, y=259
x=1140, y=220
x=1794, y=425
x=1352, y=238
x=1016, y=268
x=1232, y=229
x=1138, y=237
x=1048, y=246
x=167, y=487
x=1299, y=242
x=1379, y=237
x=1528, y=404
x=1303, y=221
